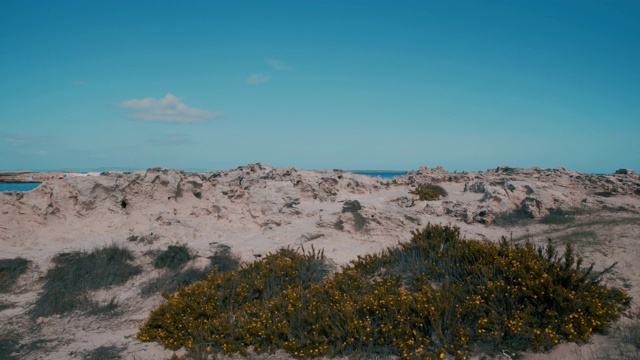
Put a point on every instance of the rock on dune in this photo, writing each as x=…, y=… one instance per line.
x=261, y=195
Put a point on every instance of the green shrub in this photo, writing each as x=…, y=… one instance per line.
x=432, y=296
x=74, y=274
x=10, y=271
x=174, y=257
x=429, y=192
x=223, y=260
x=604, y=193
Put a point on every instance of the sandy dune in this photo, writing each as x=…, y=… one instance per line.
x=256, y=209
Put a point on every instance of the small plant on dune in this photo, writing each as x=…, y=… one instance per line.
x=175, y=256
x=433, y=296
x=75, y=273
x=512, y=218
x=557, y=217
x=110, y=308
x=173, y=279
x=429, y=192
x=221, y=261
x=10, y=271
x=105, y=352
x=9, y=346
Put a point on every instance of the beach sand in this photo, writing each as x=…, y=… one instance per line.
x=257, y=209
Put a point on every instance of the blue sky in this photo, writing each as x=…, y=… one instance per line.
x=203, y=85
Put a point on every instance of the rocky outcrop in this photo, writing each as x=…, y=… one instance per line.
x=268, y=197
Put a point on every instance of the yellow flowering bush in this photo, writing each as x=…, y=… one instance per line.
x=435, y=295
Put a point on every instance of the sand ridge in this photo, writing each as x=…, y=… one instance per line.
x=256, y=209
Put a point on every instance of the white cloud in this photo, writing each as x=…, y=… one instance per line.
x=279, y=65
x=13, y=140
x=255, y=79
x=168, y=109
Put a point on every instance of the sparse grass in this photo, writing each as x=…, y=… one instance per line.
x=516, y=217
x=631, y=335
x=221, y=261
x=429, y=192
x=74, y=274
x=9, y=346
x=604, y=194
x=623, y=344
x=529, y=190
x=145, y=239
x=174, y=257
x=108, y=352
x=109, y=309
x=172, y=279
x=4, y=306
x=618, y=209
x=557, y=217
x=10, y=271
x=433, y=296
x=580, y=237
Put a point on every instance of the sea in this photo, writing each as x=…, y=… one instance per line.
x=19, y=186
x=385, y=174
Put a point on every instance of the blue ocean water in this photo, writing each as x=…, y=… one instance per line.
x=383, y=174
x=19, y=186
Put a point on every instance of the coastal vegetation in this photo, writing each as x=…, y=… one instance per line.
x=10, y=271
x=429, y=192
x=74, y=274
x=105, y=352
x=435, y=295
x=175, y=256
x=178, y=275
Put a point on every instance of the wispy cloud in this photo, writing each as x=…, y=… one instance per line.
x=22, y=140
x=26, y=145
x=172, y=139
x=255, y=79
x=79, y=83
x=169, y=109
x=279, y=65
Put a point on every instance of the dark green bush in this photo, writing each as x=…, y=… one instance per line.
x=433, y=296
x=174, y=257
x=107, y=352
x=74, y=274
x=604, y=193
x=172, y=279
x=429, y=192
x=9, y=346
x=10, y=271
x=223, y=260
